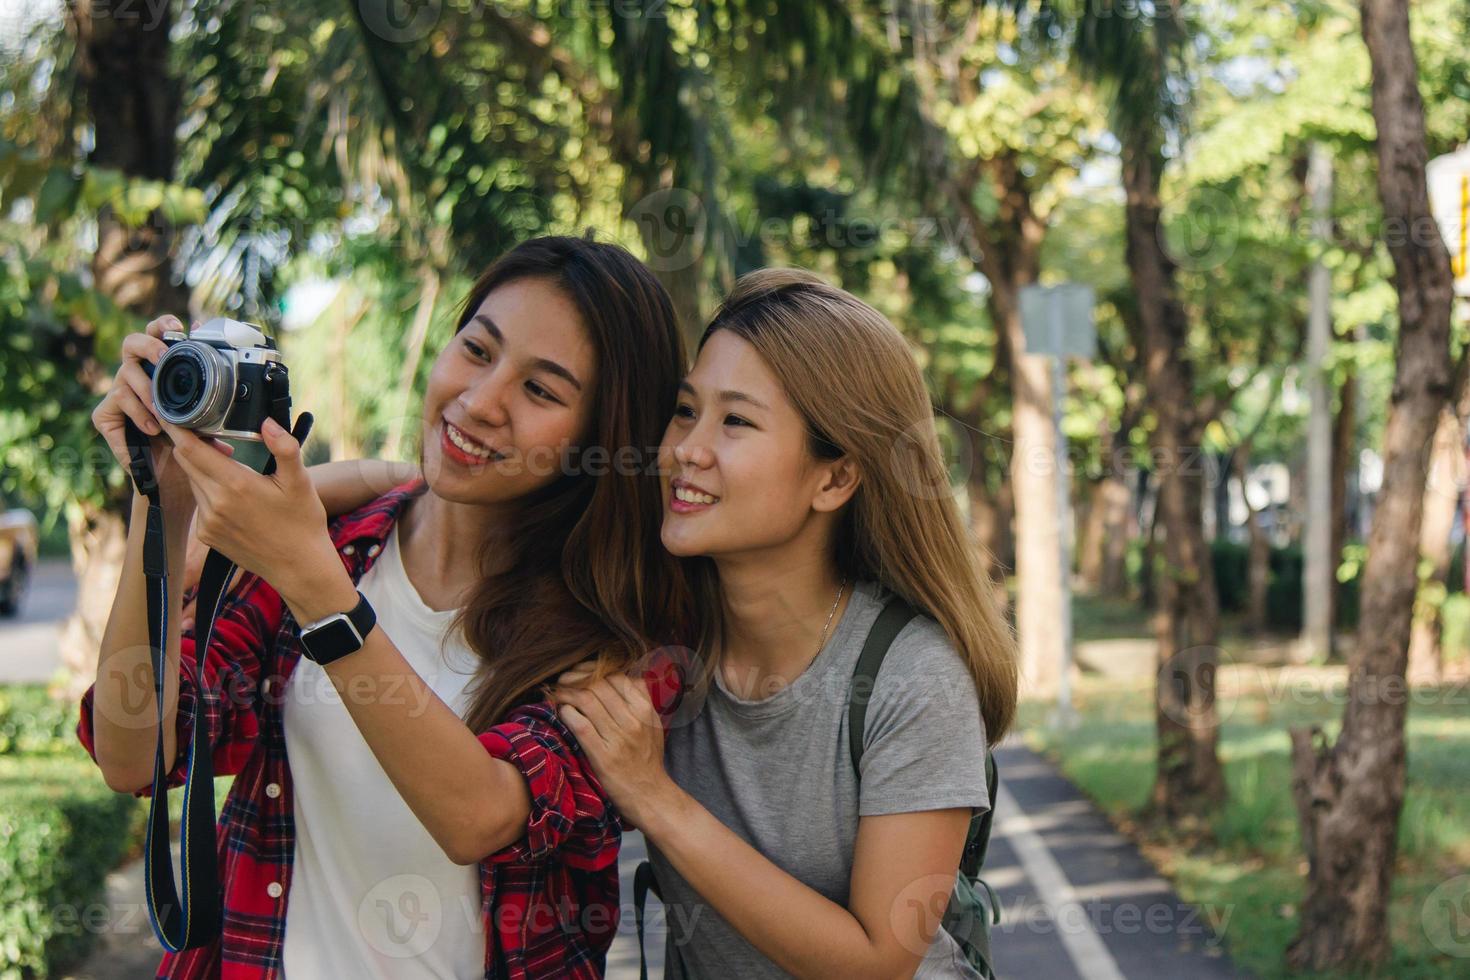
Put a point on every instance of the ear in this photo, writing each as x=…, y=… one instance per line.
x=840, y=479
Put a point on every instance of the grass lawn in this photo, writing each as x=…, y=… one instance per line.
x=1254, y=867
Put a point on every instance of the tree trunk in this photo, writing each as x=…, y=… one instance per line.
x=1039, y=585
x=674, y=226
x=1147, y=598
x=1344, y=467
x=408, y=424
x=984, y=515
x=1319, y=567
x=1103, y=554
x=1220, y=496
x=1119, y=528
x=1090, y=537
x=132, y=104
x=1005, y=526
x=1349, y=794
x=345, y=440
x=1011, y=263
x=1189, y=780
x=1442, y=494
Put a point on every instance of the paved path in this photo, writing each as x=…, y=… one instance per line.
x=1077, y=899
x=28, y=641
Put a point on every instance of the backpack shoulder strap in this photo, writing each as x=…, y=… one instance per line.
x=895, y=616
x=890, y=622
x=643, y=883
x=978, y=841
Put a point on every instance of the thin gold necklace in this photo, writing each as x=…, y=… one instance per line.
x=827, y=626
x=830, y=613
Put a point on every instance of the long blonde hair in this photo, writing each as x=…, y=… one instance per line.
x=851, y=376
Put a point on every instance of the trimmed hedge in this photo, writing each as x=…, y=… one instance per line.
x=61, y=831
x=1283, y=585
x=34, y=723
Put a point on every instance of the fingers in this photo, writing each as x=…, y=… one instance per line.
x=206, y=472
x=635, y=696
x=168, y=321
x=126, y=401
x=283, y=445
x=576, y=675
x=590, y=709
x=132, y=377
x=615, y=702
x=582, y=726
x=145, y=346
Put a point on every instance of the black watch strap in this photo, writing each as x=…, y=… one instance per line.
x=336, y=636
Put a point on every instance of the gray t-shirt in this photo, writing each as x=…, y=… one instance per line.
x=777, y=772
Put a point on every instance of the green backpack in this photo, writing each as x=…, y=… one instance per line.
x=969, y=916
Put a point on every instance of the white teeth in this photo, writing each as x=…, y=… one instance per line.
x=692, y=497
x=463, y=443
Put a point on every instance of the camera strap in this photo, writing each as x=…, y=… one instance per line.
x=196, y=920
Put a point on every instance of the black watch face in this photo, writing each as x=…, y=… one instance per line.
x=332, y=640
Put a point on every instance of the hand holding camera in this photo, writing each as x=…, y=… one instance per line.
x=222, y=380
x=131, y=397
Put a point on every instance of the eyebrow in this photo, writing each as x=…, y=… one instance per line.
x=726, y=395
x=544, y=364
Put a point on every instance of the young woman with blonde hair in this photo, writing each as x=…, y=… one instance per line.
x=805, y=485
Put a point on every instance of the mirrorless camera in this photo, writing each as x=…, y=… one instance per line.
x=224, y=378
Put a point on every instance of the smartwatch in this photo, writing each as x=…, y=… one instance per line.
x=339, y=634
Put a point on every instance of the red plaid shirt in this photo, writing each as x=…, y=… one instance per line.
x=549, y=902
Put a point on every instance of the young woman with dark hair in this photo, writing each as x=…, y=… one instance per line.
x=415, y=808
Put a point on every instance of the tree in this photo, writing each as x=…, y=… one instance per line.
x=1349, y=792
x=998, y=151
x=1137, y=59
x=131, y=102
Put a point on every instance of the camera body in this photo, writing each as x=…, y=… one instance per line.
x=222, y=379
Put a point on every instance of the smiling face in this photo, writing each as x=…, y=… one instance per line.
x=740, y=475
x=509, y=393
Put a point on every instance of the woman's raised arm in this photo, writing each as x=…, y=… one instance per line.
x=347, y=484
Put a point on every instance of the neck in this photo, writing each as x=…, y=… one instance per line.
x=775, y=609
x=440, y=541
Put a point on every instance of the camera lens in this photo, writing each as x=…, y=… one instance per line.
x=181, y=385
x=192, y=385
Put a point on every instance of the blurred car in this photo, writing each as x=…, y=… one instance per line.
x=19, y=539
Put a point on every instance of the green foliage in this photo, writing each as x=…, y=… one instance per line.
x=32, y=722
x=348, y=362
x=1251, y=867
x=61, y=831
x=1283, y=589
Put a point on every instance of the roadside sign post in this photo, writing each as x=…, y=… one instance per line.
x=1057, y=322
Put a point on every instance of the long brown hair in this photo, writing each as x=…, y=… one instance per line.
x=588, y=577
x=853, y=379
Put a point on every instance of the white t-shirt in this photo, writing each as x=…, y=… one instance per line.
x=372, y=895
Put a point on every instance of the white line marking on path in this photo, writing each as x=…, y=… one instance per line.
x=1084, y=946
